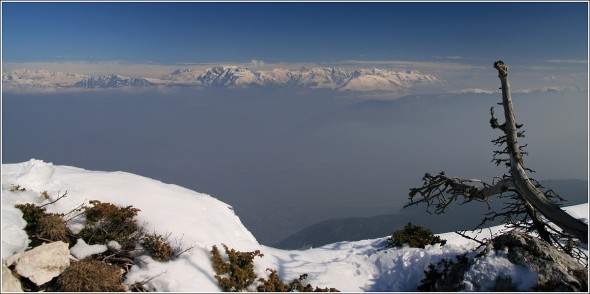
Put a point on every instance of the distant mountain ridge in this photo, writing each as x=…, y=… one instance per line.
x=25, y=78
x=234, y=76
x=458, y=217
x=112, y=81
x=317, y=77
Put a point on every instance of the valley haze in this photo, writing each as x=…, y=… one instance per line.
x=287, y=159
x=293, y=113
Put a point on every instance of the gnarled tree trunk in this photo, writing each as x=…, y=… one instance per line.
x=523, y=185
x=440, y=191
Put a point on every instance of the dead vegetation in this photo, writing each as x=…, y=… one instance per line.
x=105, y=223
x=91, y=276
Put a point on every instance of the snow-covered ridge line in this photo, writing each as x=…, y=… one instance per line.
x=25, y=78
x=372, y=79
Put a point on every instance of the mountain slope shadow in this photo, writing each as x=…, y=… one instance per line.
x=458, y=217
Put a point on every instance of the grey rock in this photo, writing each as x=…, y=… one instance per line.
x=557, y=271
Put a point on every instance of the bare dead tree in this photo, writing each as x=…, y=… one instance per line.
x=528, y=208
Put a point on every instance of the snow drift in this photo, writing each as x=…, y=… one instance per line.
x=202, y=221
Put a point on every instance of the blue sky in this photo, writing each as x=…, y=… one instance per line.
x=293, y=32
x=458, y=42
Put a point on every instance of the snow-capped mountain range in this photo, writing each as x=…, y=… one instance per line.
x=234, y=76
x=112, y=81
x=25, y=78
x=317, y=77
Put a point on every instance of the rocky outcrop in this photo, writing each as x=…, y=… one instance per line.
x=521, y=263
x=42, y=263
x=556, y=270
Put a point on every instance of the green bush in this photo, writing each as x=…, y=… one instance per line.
x=32, y=214
x=158, y=247
x=432, y=276
x=106, y=221
x=414, y=236
x=237, y=273
x=442, y=277
x=275, y=284
x=42, y=226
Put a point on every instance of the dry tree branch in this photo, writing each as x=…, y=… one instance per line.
x=57, y=199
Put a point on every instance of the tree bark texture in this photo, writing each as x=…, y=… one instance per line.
x=523, y=184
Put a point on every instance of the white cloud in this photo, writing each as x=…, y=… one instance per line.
x=146, y=70
x=567, y=77
x=258, y=64
x=96, y=68
x=574, y=61
x=423, y=65
x=153, y=70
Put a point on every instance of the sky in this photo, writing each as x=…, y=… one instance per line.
x=171, y=33
x=252, y=135
x=169, y=210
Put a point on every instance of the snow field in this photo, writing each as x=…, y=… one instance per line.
x=200, y=221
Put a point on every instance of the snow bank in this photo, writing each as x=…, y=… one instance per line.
x=199, y=220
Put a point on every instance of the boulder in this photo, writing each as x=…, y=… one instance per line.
x=42, y=263
x=556, y=270
x=511, y=262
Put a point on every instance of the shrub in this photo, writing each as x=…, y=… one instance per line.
x=414, y=236
x=17, y=188
x=158, y=247
x=90, y=276
x=275, y=284
x=432, y=276
x=106, y=221
x=42, y=226
x=237, y=273
x=32, y=214
x=53, y=227
x=45, y=195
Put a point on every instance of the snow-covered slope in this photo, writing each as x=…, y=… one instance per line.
x=196, y=218
x=201, y=221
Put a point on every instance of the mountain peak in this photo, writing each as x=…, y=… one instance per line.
x=112, y=81
x=334, y=78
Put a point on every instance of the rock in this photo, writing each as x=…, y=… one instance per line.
x=557, y=271
x=10, y=283
x=42, y=263
x=519, y=262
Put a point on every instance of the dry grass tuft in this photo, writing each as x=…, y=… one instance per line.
x=53, y=227
x=91, y=276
